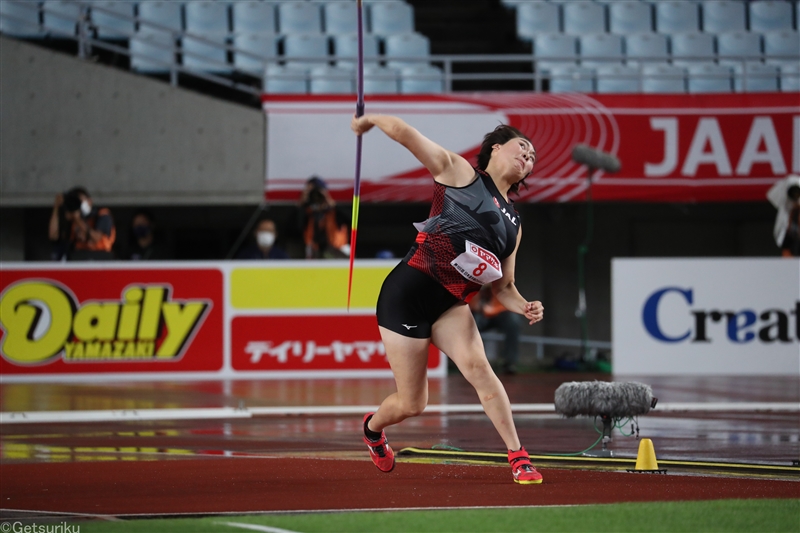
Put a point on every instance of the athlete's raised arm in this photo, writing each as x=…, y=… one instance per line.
x=445, y=166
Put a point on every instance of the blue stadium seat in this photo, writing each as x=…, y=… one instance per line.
x=709, y=78
x=299, y=49
x=61, y=17
x=790, y=77
x=689, y=48
x=723, y=16
x=582, y=17
x=406, y=46
x=345, y=48
x=20, y=19
x=755, y=77
x=677, y=17
x=738, y=45
x=340, y=17
x=206, y=53
x=114, y=19
x=206, y=17
x=387, y=18
x=770, y=15
x=254, y=17
x=534, y=18
x=663, y=79
x=163, y=14
x=646, y=48
x=152, y=51
x=571, y=79
x=380, y=80
x=332, y=80
x=553, y=49
x=600, y=49
x=782, y=47
x=264, y=45
x=285, y=80
x=299, y=17
x=630, y=17
x=617, y=79
x=422, y=79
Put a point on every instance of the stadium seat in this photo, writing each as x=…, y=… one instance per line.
x=300, y=49
x=60, y=17
x=206, y=17
x=782, y=47
x=723, y=16
x=770, y=15
x=392, y=17
x=708, y=78
x=253, y=17
x=646, y=48
x=630, y=17
x=264, y=45
x=663, y=79
x=114, y=20
x=299, y=17
x=582, y=17
x=677, y=17
x=738, y=45
x=332, y=80
x=20, y=19
x=345, y=48
x=406, y=45
x=152, y=51
x=206, y=53
x=340, y=17
x=554, y=49
x=755, y=77
x=790, y=77
x=285, y=80
x=422, y=79
x=600, y=49
x=380, y=80
x=689, y=48
x=571, y=79
x=617, y=79
x=163, y=14
x=534, y=18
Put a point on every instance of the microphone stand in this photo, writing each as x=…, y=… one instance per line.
x=583, y=249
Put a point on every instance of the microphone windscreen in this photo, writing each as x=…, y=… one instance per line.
x=592, y=158
x=595, y=398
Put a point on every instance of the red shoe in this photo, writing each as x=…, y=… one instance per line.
x=379, y=450
x=522, y=469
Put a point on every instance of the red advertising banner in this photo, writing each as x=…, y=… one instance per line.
x=328, y=342
x=673, y=148
x=86, y=320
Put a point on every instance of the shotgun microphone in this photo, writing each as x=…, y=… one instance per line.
x=586, y=155
x=602, y=398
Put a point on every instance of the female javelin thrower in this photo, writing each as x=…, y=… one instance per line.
x=470, y=239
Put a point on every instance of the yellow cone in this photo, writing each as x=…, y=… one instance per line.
x=646, y=459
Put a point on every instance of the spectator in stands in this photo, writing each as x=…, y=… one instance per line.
x=263, y=245
x=785, y=196
x=144, y=245
x=91, y=229
x=324, y=228
x=490, y=314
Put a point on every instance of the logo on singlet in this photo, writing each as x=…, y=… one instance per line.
x=408, y=327
x=496, y=202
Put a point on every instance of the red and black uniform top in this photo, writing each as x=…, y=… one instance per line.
x=477, y=213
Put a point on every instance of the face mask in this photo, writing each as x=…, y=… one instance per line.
x=265, y=239
x=141, y=231
x=86, y=208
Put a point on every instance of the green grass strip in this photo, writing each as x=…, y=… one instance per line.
x=707, y=516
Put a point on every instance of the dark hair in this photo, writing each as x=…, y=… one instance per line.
x=146, y=213
x=500, y=135
x=72, y=198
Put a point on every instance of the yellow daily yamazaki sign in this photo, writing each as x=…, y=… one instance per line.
x=305, y=287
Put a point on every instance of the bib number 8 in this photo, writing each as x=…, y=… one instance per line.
x=480, y=269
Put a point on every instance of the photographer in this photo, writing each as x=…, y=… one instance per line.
x=324, y=229
x=91, y=232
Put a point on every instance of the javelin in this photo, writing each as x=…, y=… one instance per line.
x=357, y=184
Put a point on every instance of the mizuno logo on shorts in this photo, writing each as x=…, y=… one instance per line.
x=408, y=327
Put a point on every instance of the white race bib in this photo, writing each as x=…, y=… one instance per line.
x=478, y=264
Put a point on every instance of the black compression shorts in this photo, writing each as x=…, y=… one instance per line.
x=411, y=301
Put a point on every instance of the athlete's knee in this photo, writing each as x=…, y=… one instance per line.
x=413, y=406
x=476, y=370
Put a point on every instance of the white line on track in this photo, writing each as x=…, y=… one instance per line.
x=255, y=527
x=50, y=417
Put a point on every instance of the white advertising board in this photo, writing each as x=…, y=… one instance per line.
x=706, y=316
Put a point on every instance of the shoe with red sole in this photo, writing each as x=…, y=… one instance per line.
x=523, y=471
x=379, y=450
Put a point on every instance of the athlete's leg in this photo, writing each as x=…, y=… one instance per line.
x=456, y=335
x=408, y=358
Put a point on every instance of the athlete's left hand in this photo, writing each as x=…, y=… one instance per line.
x=534, y=312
